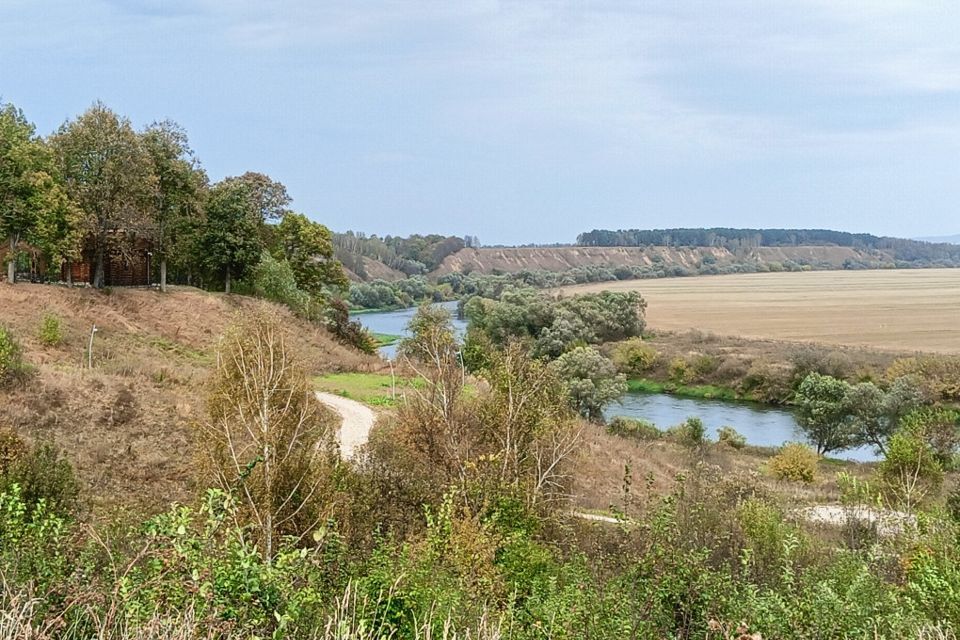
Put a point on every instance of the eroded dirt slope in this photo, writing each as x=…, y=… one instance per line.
x=509, y=260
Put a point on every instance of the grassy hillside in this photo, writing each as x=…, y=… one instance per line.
x=126, y=423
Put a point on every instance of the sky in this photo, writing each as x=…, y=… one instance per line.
x=529, y=122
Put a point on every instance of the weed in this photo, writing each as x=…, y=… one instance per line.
x=51, y=330
x=11, y=357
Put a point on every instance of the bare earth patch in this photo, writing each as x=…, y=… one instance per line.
x=897, y=310
x=887, y=522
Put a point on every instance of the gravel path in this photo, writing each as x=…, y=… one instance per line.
x=357, y=420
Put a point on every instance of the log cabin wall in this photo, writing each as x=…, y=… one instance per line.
x=120, y=269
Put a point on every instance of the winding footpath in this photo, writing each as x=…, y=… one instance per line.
x=356, y=421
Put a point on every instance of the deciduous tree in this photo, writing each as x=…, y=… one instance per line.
x=33, y=206
x=108, y=173
x=910, y=471
x=179, y=182
x=268, y=197
x=267, y=439
x=230, y=239
x=308, y=247
x=823, y=414
x=592, y=381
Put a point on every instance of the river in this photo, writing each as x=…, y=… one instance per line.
x=761, y=425
x=395, y=323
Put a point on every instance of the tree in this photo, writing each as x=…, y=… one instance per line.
x=109, y=175
x=433, y=352
x=179, y=182
x=939, y=427
x=308, y=247
x=823, y=414
x=33, y=207
x=876, y=415
x=230, y=240
x=59, y=226
x=865, y=404
x=268, y=197
x=591, y=379
x=267, y=439
x=910, y=472
x=18, y=163
x=531, y=427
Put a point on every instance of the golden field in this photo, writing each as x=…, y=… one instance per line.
x=902, y=310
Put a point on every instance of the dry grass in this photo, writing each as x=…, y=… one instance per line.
x=351, y=617
x=654, y=466
x=127, y=424
x=897, y=310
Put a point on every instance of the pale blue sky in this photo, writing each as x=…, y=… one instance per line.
x=531, y=121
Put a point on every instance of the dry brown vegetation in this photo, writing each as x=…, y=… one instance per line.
x=126, y=424
x=897, y=310
x=650, y=468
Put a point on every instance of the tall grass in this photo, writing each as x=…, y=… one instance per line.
x=353, y=616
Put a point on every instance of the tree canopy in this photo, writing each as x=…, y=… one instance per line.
x=734, y=239
x=99, y=190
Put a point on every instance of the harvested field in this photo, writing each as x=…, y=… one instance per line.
x=898, y=310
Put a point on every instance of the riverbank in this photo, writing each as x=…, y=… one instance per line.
x=704, y=365
x=386, y=339
x=703, y=391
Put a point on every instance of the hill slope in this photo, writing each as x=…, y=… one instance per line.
x=511, y=260
x=126, y=423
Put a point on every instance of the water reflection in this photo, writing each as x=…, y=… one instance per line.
x=762, y=426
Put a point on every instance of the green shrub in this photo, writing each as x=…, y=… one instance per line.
x=679, y=371
x=809, y=359
x=953, y=504
x=634, y=357
x=11, y=357
x=704, y=364
x=12, y=448
x=691, y=433
x=630, y=427
x=910, y=472
x=768, y=537
x=51, y=330
x=795, y=462
x=731, y=437
x=766, y=382
x=274, y=280
x=42, y=475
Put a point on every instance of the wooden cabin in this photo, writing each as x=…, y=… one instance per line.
x=123, y=266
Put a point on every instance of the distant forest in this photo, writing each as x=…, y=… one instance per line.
x=415, y=255
x=734, y=239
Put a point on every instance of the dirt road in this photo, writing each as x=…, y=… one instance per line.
x=357, y=419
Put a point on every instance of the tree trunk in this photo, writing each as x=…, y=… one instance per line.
x=69, y=273
x=227, y=287
x=163, y=275
x=12, y=262
x=268, y=479
x=98, y=276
